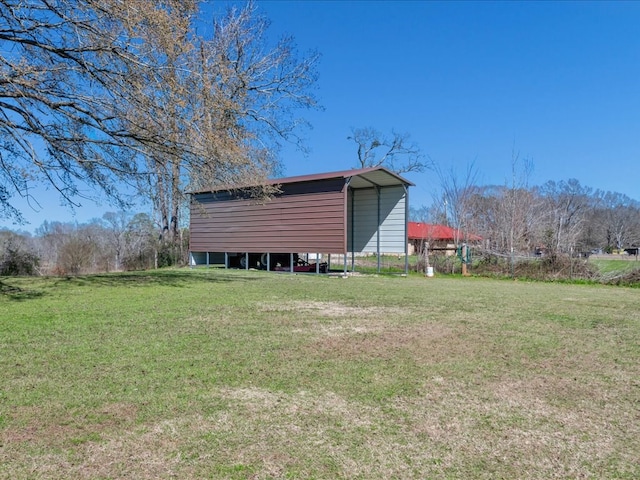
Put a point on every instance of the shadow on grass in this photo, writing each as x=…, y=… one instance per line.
x=17, y=293
x=172, y=278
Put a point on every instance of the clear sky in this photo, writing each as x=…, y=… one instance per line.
x=556, y=82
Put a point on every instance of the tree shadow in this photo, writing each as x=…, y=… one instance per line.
x=170, y=278
x=17, y=293
x=167, y=278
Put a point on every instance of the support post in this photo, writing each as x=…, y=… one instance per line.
x=378, y=228
x=406, y=230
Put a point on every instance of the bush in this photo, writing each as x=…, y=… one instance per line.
x=629, y=279
x=141, y=260
x=76, y=256
x=15, y=261
x=551, y=267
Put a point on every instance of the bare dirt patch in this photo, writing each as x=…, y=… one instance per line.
x=332, y=309
x=336, y=319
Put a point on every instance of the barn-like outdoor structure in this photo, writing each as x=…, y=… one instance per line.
x=338, y=213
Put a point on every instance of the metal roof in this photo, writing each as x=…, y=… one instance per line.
x=359, y=178
x=427, y=231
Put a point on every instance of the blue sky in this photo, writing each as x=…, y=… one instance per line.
x=556, y=82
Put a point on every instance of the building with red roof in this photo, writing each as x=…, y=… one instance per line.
x=438, y=237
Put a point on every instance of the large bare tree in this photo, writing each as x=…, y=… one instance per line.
x=112, y=91
x=458, y=191
x=233, y=97
x=519, y=211
x=457, y=201
x=64, y=69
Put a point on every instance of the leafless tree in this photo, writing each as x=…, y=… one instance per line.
x=115, y=225
x=519, y=211
x=396, y=151
x=619, y=218
x=64, y=71
x=232, y=96
x=69, y=248
x=566, y=206
x=104, y=92
x=484, y=205
x=422, y=214
x=457, y=196
x=140, y=243
x=513, y=208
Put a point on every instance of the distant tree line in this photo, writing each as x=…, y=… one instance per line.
x=115, y=242
x=555, y=219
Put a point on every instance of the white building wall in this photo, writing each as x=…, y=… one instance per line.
x=363, y=232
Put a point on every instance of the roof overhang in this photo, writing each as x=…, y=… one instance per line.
x=357, y=178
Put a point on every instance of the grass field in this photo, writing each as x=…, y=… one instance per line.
x=254, y=375
x=615, y=266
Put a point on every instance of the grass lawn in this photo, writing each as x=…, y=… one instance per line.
x=615, y=266
x=233, y=374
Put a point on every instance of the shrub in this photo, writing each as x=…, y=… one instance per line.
x=76, y=256
x=551, y=267
x=15, y=261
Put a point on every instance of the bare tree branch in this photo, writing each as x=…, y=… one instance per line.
x=109, y=91
x=396, y=152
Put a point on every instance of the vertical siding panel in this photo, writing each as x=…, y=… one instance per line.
x=365, y=221
x=393, y=226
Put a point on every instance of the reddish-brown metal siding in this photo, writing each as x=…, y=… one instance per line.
x=306, y=217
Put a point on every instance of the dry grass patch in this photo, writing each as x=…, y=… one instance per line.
x=514, y=432
x=54, y=425
x=344, y=331
x=334, y=318
x=323, y=309
x=258, y=434
x=385, y=342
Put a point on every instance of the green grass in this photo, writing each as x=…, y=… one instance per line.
x=608, y=266
x=234, y=374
